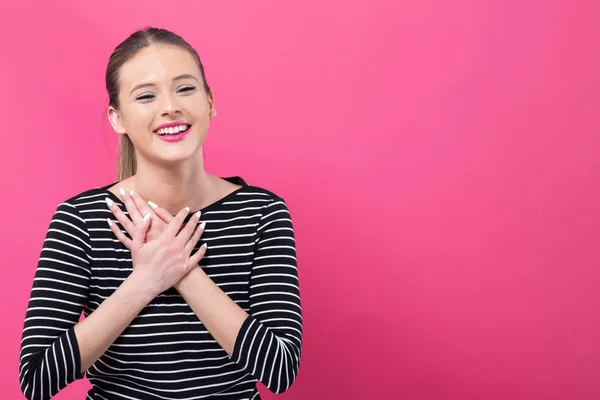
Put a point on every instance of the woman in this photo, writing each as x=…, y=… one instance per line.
x=188, y=282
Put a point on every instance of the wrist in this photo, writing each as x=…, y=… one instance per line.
x=143, y=285
x=188, y=279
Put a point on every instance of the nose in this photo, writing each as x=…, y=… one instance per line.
x=169, y=106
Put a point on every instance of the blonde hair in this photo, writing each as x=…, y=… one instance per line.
x=126, y=165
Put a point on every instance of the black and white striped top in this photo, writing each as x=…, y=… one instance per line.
x=166, y=352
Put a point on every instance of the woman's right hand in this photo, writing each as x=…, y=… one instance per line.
x=162, y=262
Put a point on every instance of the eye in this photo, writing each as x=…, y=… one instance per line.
x=145, y=97
x=185, y=89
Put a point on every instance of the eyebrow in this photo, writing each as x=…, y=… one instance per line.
x=177, y=78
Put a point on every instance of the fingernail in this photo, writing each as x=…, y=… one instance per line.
x=109, y=202
x=187, y=209
x=131, y=193
x=198, y=214
x=122, y=191
x=152, y=204
x=109, y=222
x=203, y=225
x=146, y=217
x=205, y=246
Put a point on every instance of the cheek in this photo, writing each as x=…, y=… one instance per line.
x=196, y=105
x=139, y=117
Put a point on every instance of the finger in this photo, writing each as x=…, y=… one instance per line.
x=189, y=247
x=121, y=217
x=186, y=233
x=195, y=259
x=161, y=213
x=176, y=223
x=132, y=209
x=120, y=235
x=142, y=229
x=141, y=205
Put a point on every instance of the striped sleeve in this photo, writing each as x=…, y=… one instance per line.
x=50, y=357
x=269, y=343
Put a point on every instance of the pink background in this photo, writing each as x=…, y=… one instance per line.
x=440, y=159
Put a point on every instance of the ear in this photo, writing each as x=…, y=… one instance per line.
x=115, y=120
x=212, y=110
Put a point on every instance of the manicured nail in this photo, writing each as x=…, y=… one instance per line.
x=152, y=204
x=146, y=217
x=131, y=193
x=122, y=191
x=205, y=246
x=109, y=202
x=187, y=209
x=110, y=223
x=198, y=214
x=203, y=225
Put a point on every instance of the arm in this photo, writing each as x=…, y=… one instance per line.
x=267, y=342
x=100, y=329
x=55, y=348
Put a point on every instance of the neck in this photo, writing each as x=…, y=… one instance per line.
x=173, y=188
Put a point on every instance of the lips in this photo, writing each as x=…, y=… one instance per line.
x=172, y=127
x=173, y=131
x=173, y=137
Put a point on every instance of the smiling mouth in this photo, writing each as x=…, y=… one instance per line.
x=173, y=130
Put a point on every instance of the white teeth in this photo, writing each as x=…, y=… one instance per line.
x=172, y=130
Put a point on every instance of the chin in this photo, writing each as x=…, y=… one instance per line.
x=179, y=155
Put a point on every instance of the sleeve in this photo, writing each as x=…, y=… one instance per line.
x=269, y=343
x=50, y=358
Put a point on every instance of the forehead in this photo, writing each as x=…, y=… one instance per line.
x=157, y=63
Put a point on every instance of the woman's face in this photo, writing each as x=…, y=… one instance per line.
x=162, y=85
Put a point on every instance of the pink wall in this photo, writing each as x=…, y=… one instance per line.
x=440, y=158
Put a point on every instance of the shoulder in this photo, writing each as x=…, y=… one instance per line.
x=274, y=212
x=72, y=215
x=268, y=200
x=79, y=202
x=264, y=193
x=268, y=196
